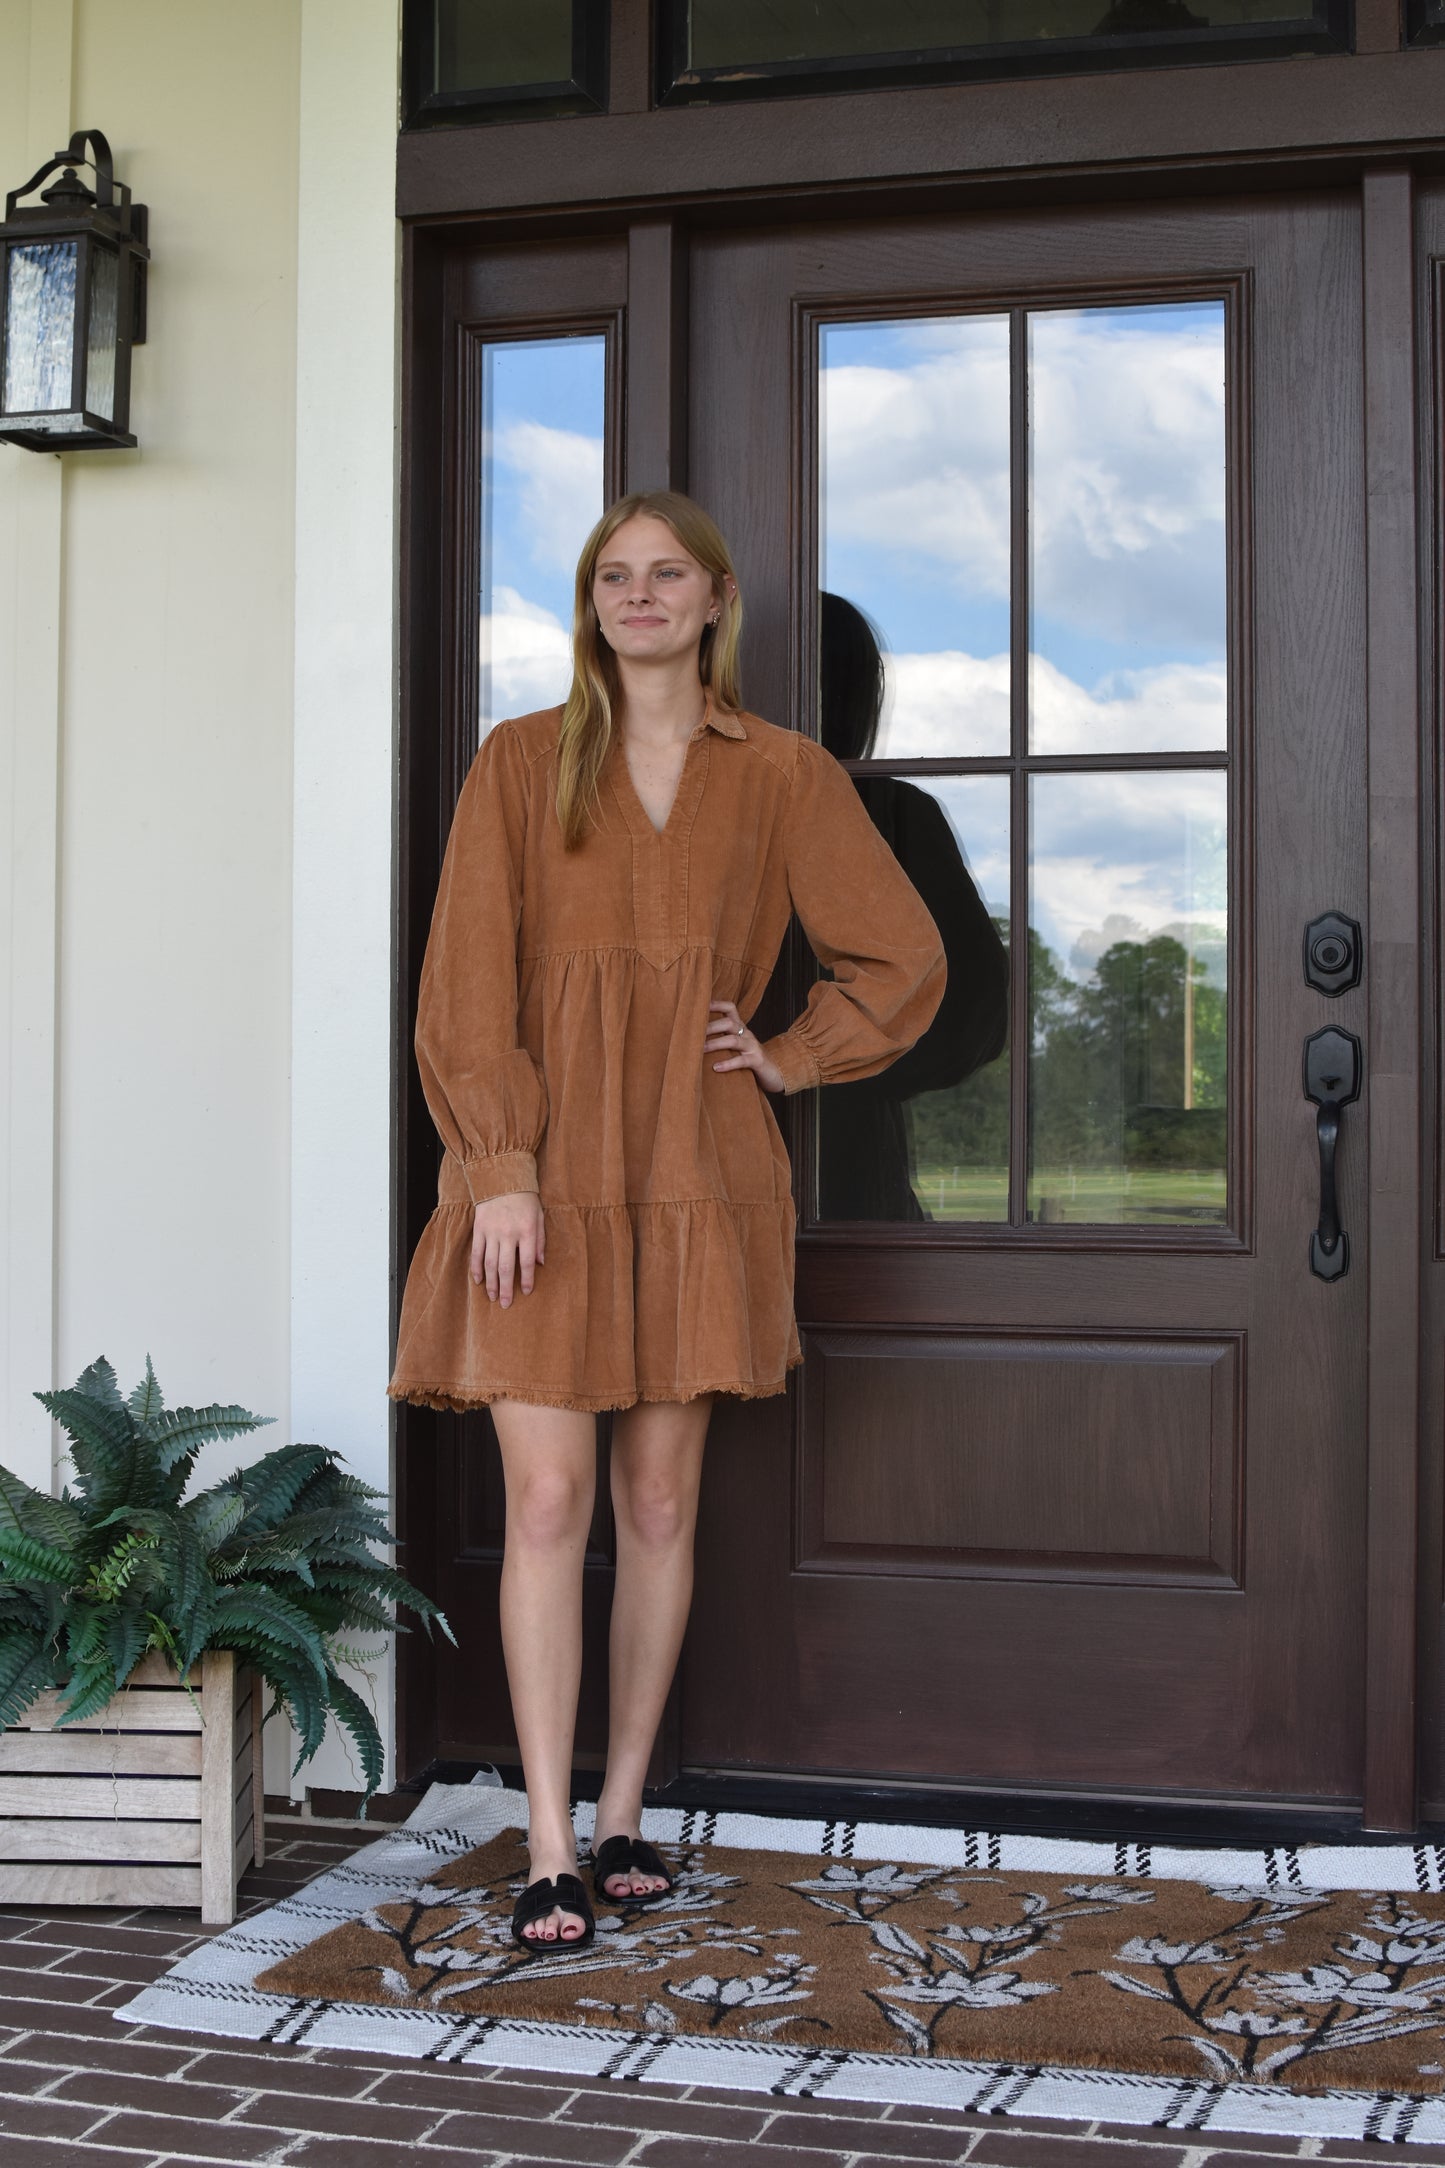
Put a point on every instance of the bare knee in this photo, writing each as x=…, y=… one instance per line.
x=548, y=1508
x=657, y=1515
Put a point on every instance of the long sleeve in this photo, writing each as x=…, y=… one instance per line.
x=486, y=1094
x=865, y=921
x=971, y=1027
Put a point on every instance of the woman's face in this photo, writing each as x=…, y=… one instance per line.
x=651, y=595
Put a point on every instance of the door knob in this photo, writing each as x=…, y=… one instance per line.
x=1333, y=1068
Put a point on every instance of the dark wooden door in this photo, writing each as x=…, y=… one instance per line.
x=1070, y=1490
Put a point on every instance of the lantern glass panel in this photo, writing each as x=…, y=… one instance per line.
x=102, y=332
x=39, y=326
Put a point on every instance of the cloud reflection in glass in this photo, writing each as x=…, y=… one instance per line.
x=543, y=408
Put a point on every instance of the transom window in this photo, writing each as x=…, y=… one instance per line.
x=747, y=48
x=493, y=59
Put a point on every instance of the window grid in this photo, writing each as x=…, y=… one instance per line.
x=1021, y=765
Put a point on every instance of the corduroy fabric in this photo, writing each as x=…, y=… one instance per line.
x=560, y=1040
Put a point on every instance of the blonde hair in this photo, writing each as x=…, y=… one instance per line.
x=588, y=716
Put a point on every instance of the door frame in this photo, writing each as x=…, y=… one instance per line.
x=1402, y=1607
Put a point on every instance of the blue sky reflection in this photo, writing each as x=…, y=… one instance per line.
x=543, y=413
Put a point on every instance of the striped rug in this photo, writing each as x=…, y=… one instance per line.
x=1294, y=1991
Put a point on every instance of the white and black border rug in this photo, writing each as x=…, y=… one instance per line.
x=212, y=1990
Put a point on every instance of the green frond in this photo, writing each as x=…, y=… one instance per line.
x=216, y=1514
x=141, y=1519
x=100, y=1383
x=180, y=1434
x=162, y=1638
x=56, y=1521
x=351, y=1711
x=127, y=1635
x=190, y=1591
x=103, y=1444
x=348, y=1652
x=91, y=1686
x=343, y=1536
x=112, y=1575
x=352, y=1486
x=297, y=1695
x=355, y=1609
x=271, y=1486
x=27, y=1667
x=21, y=1605
x=279, y=1556
x=23, y=1559
x=145, y=1403
x=378, y=1580
x=251, y=1607
x=85, y=1625
x=192, y=1633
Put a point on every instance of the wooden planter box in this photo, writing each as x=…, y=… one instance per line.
x=148, y=1803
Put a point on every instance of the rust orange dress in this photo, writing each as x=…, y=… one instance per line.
x=560, y=1037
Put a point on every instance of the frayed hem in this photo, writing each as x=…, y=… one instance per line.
x=457, y=1402
x=460, y=1402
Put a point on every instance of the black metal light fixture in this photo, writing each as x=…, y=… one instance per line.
x=72, y=304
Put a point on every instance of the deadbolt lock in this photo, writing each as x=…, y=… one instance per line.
x=1332, y=953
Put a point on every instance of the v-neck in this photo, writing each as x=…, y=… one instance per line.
x=685, y=798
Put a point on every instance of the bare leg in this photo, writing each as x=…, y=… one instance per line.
x=549, y=1457
x=657, y=1449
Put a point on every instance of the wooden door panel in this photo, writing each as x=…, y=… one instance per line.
x=1109, y=1458
x=1071, y=1505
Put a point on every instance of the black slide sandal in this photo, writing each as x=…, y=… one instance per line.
x=538, y=1898
x=615, y=1856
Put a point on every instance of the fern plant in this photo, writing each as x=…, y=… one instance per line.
x=275, y=1563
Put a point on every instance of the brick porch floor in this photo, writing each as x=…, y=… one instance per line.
x=80, y=2090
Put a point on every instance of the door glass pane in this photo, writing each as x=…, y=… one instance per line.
x=928, y=1138
x=914, y=537
x=543, y=423
x=1128, y=903
x=1127, y=530
x=731, y=33
x=497, y=45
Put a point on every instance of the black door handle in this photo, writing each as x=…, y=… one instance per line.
x=1332, y=1072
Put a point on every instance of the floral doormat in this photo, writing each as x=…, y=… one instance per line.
x=1259, y=1991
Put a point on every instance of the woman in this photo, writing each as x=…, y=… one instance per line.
x=614, y=1226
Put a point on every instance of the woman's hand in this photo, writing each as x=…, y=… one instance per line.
x=508, y=1234
x=729, y=1034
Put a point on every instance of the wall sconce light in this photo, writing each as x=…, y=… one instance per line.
x=72, y=305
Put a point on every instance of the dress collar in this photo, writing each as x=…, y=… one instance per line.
x=730, y=725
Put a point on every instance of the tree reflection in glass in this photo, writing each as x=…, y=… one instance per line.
x=1127, y=1067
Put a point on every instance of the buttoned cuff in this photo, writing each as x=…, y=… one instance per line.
x=497, y=1174
x=795, y=1058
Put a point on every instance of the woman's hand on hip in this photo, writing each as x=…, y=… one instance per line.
x=509, y=1236
x=728, y=1034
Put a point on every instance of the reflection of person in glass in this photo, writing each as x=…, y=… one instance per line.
x=865, y=1159
x=618, y=881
